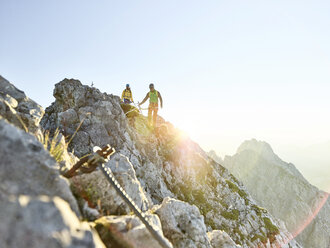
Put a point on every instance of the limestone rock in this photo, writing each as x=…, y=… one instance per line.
x=96, y=117
x=91, y=214
x=220, y=239
x=129, y=232
x=18, y=109
x=27, y=168
x=102, y=121
x=42, y=222
x=95, y=187
x=182, y=224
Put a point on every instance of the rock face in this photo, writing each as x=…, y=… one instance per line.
x=37, y=208
x=32, y=214
x=94, y=187
x=183, y=224
x=99, y=116
x=166, y=164
x=129, y=232
x=24, y=160
x=280, y=187
x=42, y=222
x=221, y=239
x=17, y=108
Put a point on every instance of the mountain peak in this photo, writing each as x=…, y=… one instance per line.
x=260, y=147
x=264, y=150
x=281, y=188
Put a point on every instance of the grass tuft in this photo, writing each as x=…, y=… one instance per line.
x=53, y=145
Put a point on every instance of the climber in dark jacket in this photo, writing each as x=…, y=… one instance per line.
x=153, y=96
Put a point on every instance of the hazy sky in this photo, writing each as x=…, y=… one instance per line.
x=227, y=70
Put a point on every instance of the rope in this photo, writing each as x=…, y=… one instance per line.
x=139, y=107
x=98, y=159
x=112, y=180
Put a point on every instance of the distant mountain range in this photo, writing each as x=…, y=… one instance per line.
x=313, y=161
x=283, y=190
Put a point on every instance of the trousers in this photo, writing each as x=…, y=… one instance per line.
x=152, y=114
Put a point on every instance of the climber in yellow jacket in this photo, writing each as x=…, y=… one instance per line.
x=127, y=96
x=153, y=96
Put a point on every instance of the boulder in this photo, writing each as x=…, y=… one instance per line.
x=129, y=232
x=42, y=221
x=27, y=168
x=220, y=239
x=182, y=224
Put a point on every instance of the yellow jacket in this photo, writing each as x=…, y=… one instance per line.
x=127, y=94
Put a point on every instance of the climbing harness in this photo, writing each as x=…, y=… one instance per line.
x=89, y=163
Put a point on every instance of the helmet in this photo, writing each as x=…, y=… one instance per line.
x=127, y=85
x=151, y=85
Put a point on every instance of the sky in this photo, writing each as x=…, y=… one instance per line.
x=228, y=71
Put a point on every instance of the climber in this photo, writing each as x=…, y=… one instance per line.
x=127, y=96
x=153, y=96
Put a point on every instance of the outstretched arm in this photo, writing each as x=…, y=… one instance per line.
x=145, y=99
x=161, y=99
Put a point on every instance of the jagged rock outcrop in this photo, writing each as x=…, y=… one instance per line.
x=42, y=221
x=129, y=232
x=166, y=164
x=17, y=108
x=99, y=115
x=280, y=187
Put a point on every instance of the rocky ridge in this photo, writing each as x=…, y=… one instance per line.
x=166, y=164
x=280, y=187
x=191, y=200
